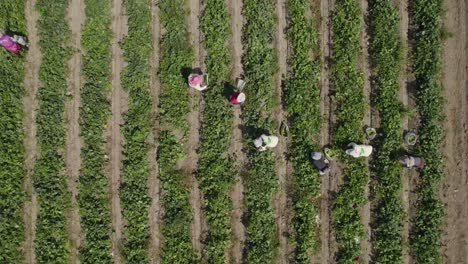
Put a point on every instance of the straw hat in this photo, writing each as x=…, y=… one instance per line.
x=241, y=98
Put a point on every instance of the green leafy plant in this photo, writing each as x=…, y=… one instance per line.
x=12, y=153
x=347, y=83
x=50, y=182
x=302, y=97
x=260, y=181
x=427, y=21
x=215, y=168
x=176, y=57
x=386, y=57
x=95, y=219
x=137, y=47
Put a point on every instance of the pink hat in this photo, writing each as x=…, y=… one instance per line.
x=195, y=79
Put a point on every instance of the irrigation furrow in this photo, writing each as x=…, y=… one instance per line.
x=154, y=184
x=190, y=163
x=75, y=19
x=404, y=97
x=32, y=85
x=281, y=165
x=119, y=101
x=370, y=119
x=237, y=227
x=326, y=247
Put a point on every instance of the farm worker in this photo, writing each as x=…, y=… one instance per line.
x=320, y=162
x=237, y=98
x=263, y=142
x=12, y=44
x=411, y=162
x=357, y=151
x=196, y=81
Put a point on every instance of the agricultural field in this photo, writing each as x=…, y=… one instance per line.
x=107, y=155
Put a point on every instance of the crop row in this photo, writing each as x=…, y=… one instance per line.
x=176, y=58
x=93, y=186
x=50, y=181
x=215, y=168
x=386, y=56
x=138, y=123
x=12, y=152
x=347, y=84
x=260, y=181
x=427, y=21
x=302, y=97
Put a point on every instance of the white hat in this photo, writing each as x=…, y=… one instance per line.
x=316, y=155
x=241, y=98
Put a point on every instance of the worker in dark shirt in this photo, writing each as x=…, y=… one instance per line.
x=320, y=162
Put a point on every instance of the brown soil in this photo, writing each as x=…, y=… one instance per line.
x=189, y=165
x=32, y=84
x=237, y=195
x=153, y=181
x=76, y=18
x=327, y=247
x=281, y=167
x=370, y=119
x=119, y=105
x=405, y=194
x=455, y=148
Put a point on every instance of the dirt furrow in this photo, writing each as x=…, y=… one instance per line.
x=238, y=229
x=370, y=119
x=153, y=182
x=32, y=84
x=75, y=17
x=119, y=105
x=280, y=203
x=328, y=247
x=402, y=6
x=190, y=164
x=455, y=146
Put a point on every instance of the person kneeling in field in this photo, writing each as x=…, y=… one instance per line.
x=320, y=162
x=263, y=142
x=411, y=162
x=357, y=151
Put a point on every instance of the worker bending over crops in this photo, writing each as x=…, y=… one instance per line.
x=320, y=162
x=411, y=162
x=357, y=151
x=263, y=142
x=237, y=98
x=196, y=81
x=12, y=44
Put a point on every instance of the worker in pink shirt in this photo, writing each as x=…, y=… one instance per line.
x=12, y=44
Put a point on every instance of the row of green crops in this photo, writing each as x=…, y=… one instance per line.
x=260, y=181
x=386, y=56
x=215, y=168
x=93, y=186
x=50, y=181
x=427, y=21
x=347, y=95
x=302, y=97
x=12, y=152
x=176, y=58
x=137, y=47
